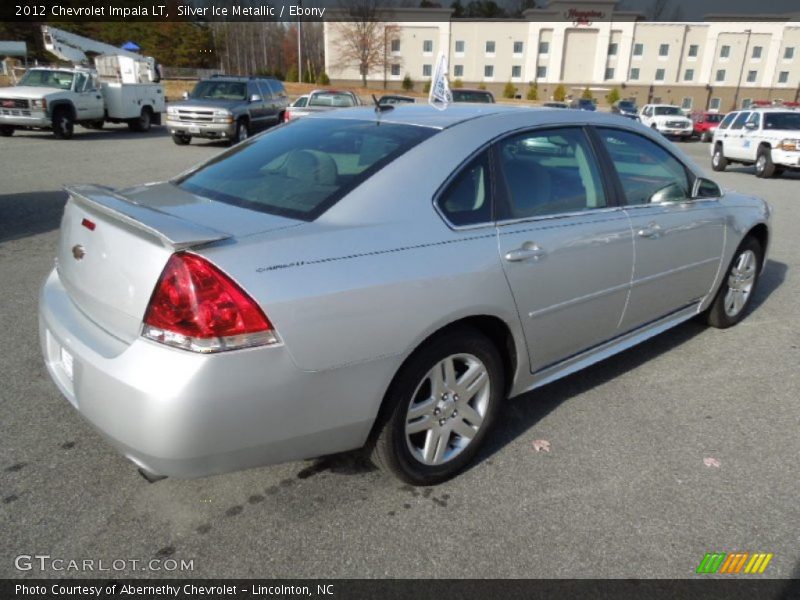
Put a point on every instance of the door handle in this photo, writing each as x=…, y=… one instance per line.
x=528, y=251
x=653, y=230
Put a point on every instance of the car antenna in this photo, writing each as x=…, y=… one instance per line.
x=379, y=108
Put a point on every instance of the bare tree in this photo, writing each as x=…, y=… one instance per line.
x=362, y=41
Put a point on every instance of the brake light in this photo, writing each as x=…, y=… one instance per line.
x=195, y=306
x=286, y=116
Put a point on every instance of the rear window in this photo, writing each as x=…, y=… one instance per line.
x=470, y=96
x=301, y=169
x=714, y=118
x=787, y=120
x=334, y=99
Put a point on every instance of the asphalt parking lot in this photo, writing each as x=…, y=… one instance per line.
x=623, y=492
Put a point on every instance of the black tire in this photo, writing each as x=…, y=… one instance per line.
x=6, y=131
x=705, y=136
x=718, y=160
x=390, y=447
x=242, y=132
x=717, y=315
x=143, y=123
x=765, y=168
x=63, y=123
x=181, y=140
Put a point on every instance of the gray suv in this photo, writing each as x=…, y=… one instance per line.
x=227, y=108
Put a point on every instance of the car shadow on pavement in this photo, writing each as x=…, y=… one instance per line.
x=30, y=213
x=750, y=170
x=521, y=414
x=111, y=132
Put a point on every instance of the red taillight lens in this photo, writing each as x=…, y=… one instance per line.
x=197, y=307
x=286, y=117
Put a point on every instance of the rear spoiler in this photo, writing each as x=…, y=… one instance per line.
x=173, y=231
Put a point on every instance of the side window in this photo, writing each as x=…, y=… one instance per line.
x=277, y=87
x=252, y=90
x=649, y=174
x=755, y=119
x=80, y=82
x=726, y=122
x=549, y=172
x=467, y=199
x=740, y=120
x=265, y=89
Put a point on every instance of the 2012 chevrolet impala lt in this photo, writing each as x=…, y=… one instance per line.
x=381, y=278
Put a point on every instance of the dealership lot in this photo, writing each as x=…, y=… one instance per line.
x=623, y=492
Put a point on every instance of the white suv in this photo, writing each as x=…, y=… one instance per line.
x=667, y=119
x=768, y=138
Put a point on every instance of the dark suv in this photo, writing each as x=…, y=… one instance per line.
x=227, y=108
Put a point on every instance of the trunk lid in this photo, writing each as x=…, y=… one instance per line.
x=113, y=246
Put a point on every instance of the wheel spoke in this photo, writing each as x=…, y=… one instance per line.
x=438, y=387
x=464, y=429
x=421, y=409
x=441, y=447
x=449, y=372
x=423, y=424
x=738, y=301
x=466, y=412
x=472, y=381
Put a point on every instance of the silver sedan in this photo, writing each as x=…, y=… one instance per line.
x=381, y=279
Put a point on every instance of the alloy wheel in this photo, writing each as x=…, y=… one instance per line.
x=741, y=279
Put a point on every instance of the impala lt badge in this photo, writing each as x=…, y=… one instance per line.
x=78, y=252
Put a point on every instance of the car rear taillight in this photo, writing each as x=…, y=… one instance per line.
x=286, y=117
x=195, y=306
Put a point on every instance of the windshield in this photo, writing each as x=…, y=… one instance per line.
x=43, y=78
x=782, y=120
x=667, y=110
x=220, y=90
x=335, y=99
x=714, y=118
x=301, y=169
x=627, y=106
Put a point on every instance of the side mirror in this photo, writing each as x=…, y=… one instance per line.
x=705, y=188
x=185, y=95
x=255, y=98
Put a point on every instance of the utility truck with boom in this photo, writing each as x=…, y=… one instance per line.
x=104, y=84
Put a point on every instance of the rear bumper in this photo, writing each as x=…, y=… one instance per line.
x=182, y=414
x=202, y=130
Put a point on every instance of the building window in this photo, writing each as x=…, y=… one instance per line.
x=751, y=76
x=746, y=102
x=460, y=46
x=516, y=71
x=613, y=48
x=663, y=50
x=688, y=74
x=725, y=52
x=489, y=47
x=687, y=103
x=396, y=70
x=517, y=47
x=720, y=75
x=783, y=77
x=609, y=73
x=427, y=70
x=693, y=51
x=714, y=104
x=541, y=72
x=395, y=45
x=635, y=74
x=427, y=46
x=458, y=71
x=660, y=74
x=757, y=52
x=638, y=49
x=788, y=53
x=488, y=71
x=544, y=47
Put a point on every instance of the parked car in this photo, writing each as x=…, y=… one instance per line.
x=322, y=101
x=227, y=108
x=396, y=99
x=705, y=123
x=626, y=108
x=768, y=138
x=300, y=294
x=300, y=102
x=468, y=95
x=667, y=119
x=583, y=104
x=555, y=105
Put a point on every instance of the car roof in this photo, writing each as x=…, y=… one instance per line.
x=424, y=115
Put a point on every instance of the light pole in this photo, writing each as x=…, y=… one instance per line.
x=299, y=47
x=741, y=71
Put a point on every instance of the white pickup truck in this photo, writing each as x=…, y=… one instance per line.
x=667, y=119
x=768, y=138
x=59, y=98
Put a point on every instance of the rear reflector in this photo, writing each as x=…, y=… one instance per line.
x=197, y=307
